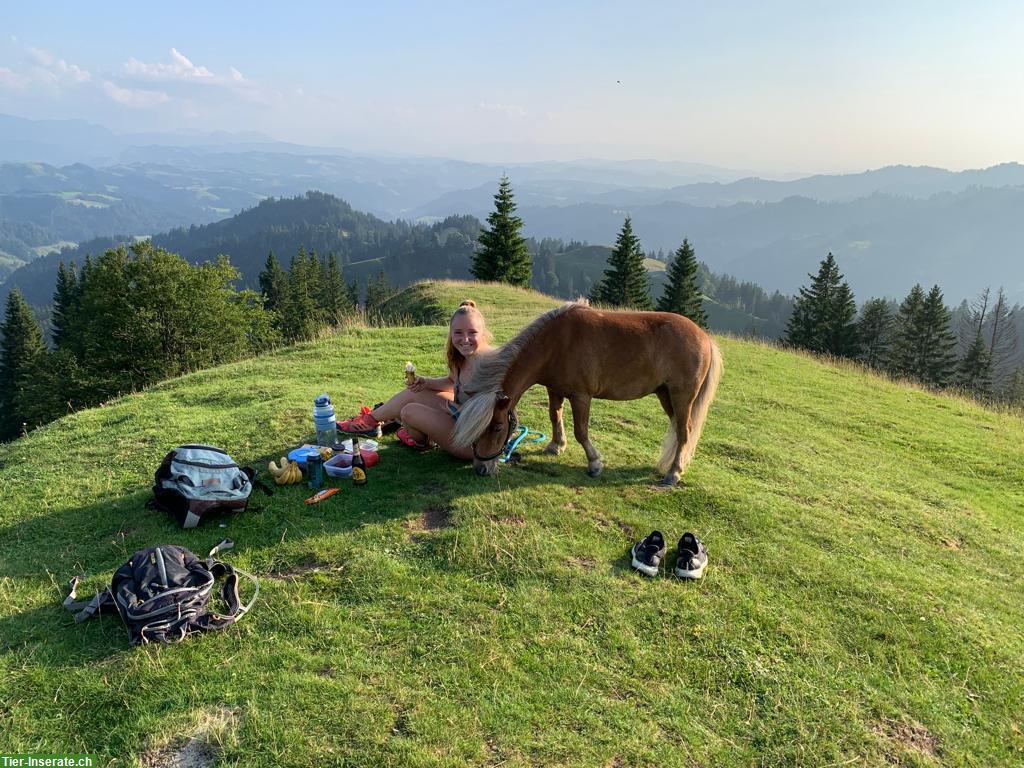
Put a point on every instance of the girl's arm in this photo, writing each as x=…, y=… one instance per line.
x=440, y=384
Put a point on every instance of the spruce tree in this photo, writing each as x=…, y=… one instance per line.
x=502, y=253
x=65, y=296
x=334, y=300
x=22, y=354
x=1002, y=338
x=902, y=357
x=273, y=283
x=974, y=372
x=301, y=319
x=874, y=330
x=625, y=280
x=378, y=291
x=823, y=314
x=923, y=342
x=840, y=333
x=681, y=294
x=937, y=360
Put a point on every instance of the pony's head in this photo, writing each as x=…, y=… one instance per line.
x=486, y=423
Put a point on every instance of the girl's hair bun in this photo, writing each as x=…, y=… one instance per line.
x=468, y=303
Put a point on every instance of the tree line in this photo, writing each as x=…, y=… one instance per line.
x=974, y=348
x=140, y=314
x=503, y=255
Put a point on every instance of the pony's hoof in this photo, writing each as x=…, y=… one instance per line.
x=668, y=481
x=595, y=468
x=553, y=449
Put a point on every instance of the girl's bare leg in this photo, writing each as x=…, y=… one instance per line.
x=392, y=409
x=424, y=421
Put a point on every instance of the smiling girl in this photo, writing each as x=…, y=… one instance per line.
x=429, y=407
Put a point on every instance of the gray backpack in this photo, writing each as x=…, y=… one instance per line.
x=195, y=480
x=163, y=594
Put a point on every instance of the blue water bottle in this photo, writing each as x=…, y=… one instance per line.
x=323, y=419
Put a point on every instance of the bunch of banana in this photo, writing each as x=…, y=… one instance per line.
x=288, y=473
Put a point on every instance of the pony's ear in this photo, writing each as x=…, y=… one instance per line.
x=501, y=400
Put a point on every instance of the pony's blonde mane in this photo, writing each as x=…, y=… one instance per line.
x=490, y=372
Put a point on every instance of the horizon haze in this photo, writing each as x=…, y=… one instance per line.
x=797, y=88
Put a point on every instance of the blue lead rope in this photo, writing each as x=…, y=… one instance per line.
x=511, y=445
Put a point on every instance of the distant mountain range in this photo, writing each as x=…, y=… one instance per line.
x=889, y=227
x=900, y=181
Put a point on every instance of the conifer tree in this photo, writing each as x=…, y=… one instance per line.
x=974, y=372
x=841, y=338
x=1002, y=338
x=903, y=356
x=502, y=253
x=923, y=342
x=625, y=280
x=378, y=291
x=22, y=354
x=65, y=296
x=334, y=299
x=301, y=316
x=823, y=314
x=874, y=330
x=938, y=359
x=681, y=294
x=274, y=284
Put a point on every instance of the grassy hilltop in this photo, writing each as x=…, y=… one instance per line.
x=862, y=605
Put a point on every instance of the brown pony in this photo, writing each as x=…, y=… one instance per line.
x=580, y=353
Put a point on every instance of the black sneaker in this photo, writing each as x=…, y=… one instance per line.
x=648, y=553
x=691, y=557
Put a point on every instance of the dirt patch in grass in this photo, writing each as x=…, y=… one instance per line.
x=200, y=750
x=584, y=562
x=516, y=521
x=955, y=543
x=432, y=518
x=912, y=737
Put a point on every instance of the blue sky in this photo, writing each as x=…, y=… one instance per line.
x=783, y=87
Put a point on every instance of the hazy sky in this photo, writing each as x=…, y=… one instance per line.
x=775, y=86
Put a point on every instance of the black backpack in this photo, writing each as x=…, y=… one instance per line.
x=195, y=480
x=163, y=594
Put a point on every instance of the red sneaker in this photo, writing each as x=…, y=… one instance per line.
x=406, y=439
x=363, y=425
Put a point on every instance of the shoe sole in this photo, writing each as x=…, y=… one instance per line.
x=376, y=434
x=694, y=574
x=644, y=568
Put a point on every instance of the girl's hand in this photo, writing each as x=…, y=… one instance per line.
x=417, y=384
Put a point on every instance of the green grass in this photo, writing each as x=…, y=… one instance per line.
x=862, y=605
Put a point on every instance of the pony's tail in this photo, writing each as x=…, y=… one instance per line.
x=698, y=414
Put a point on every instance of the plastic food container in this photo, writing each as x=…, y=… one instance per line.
x=368, y=448
x=339, y=465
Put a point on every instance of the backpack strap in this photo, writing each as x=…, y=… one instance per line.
x=229, y=591
x=103, y=602
x=251, y=474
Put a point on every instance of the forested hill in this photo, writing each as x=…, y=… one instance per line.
x=315, y=221
x=326, y=224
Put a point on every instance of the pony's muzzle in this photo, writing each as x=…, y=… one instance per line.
x=484, y=468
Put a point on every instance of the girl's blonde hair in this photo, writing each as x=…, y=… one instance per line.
x=454, y=357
